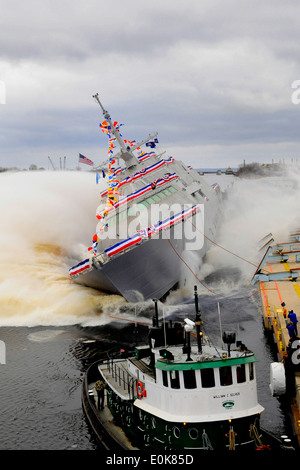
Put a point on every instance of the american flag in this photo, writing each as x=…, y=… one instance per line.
x=83, y=159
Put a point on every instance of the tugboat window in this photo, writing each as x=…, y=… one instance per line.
x=174, y=376
x=165, y=378
x=207, y=378
x=193, y=433
x=189, y=379
x=251, y=369
x=176, y=432
x=225, y=375
x=241, y=373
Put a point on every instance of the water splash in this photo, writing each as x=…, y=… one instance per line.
x=254, y=208
x=46, y=218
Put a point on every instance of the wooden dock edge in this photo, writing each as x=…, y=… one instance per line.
x=275, y=323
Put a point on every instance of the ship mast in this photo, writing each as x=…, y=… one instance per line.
x=198, y=321
x=126, y=152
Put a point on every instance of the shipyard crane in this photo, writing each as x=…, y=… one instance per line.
x=51, y=163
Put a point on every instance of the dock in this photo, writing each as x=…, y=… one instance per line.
x=278, y=279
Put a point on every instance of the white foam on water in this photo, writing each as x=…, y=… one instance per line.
x=44, y=335
x=46, y=219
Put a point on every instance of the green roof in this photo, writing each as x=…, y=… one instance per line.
x=164, y=364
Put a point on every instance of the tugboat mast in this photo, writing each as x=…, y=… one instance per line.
x=198, y=321
x=126, y=151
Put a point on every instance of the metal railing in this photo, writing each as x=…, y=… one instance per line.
x=122, y=377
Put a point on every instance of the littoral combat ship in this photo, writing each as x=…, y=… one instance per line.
x=155, y=213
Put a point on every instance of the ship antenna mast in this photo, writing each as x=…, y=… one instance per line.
x=126, y=151
x=108, y=119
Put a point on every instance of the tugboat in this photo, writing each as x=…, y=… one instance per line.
x=229, y=171
x=177, y=392
x=154, y=214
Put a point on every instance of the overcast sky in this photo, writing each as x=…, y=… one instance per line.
x=213, y=78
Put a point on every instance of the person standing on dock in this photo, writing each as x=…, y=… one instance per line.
x=291, y=330
x=284, y=310
x=293, y=318
x=100, y=387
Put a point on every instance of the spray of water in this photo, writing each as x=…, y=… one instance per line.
x=47, y=219
x=254, y=208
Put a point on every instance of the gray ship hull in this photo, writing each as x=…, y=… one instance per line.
x=153, y=268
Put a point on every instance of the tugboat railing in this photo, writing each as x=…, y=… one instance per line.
x=122, y=377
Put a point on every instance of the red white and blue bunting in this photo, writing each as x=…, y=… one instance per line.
x=79, y=268
x=141, y=173
x=146, y=233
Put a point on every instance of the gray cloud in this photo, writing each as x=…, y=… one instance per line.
x=205, y=75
